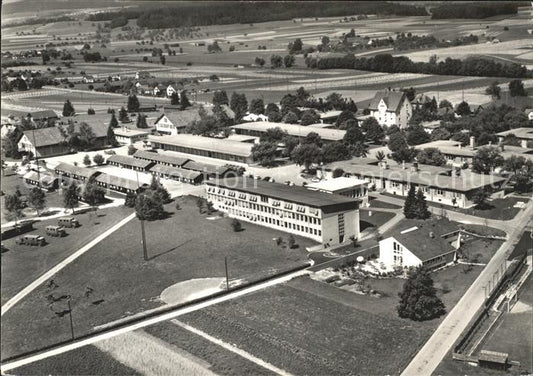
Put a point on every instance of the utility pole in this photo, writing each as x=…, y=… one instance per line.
x=36, y=159
x=70, y=317
x=143, y=234
x=227, y=275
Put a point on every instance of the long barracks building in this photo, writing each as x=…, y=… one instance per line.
x=325, y=218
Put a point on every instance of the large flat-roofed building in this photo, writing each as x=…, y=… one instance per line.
x=205, y=146
x=525, y=135
x=439, y=184
x=344, y=186
x=258, y=128
x=127, y=136
x=325, y=218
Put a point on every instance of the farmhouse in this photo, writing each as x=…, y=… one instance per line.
x=391, y=108
x=75, y=172
x=43, y=115
x=176, y=173
x=43, y=142
x=124, y=161
x=127, y=136
x=525, y=135
x=258, y=128
x=174, y=122
x=326, y=218
x=161, y=158
x=204, y=146
x=439, y=184
x=344, y=186
x=430, y=245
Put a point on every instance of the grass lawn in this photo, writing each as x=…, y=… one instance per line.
x=375, y=203
x=86, y=360
x=184, y=246
x=500, y=208
x=375, y=220
x=483, y=230
x=22, y=264
x=483, y=249
x=222, y=361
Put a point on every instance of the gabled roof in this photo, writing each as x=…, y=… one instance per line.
x=420, y=242
x=206, y=167
x=44, y=136
x=118, y=181
x=393, y=100
x=180, y=118
x=175, y=171
x=216, y=145
x=129, y=161
x=98, y=123
x=160, y=157
x=43, y=114
x=75, y=170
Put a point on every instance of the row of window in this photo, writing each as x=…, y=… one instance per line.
x=272, y=221
x=266, y=209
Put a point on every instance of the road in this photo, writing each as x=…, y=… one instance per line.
x=153, y=320
x=442, y=340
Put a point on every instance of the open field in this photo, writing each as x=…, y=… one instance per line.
x=184, y=246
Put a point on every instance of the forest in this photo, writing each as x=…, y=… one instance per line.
x=476, y=10
x=219, y=13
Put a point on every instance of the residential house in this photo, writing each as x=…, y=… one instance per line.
x=174, y=122
x=43, y=142
x=171, y=90
x=391, y=108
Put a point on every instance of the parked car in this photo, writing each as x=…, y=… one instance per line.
x=31, y=240
x=68, y=222
x=110, y=152
x=55, y=231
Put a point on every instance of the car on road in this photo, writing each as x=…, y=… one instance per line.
x=109, y=152
x=58, y=231
x=68, y=222
x=31, y=240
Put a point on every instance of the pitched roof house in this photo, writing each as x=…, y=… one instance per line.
x=391, y=108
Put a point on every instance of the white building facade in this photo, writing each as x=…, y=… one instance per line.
x=325, y=218
x=391, y=108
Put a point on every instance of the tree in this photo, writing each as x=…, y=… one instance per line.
x=133, y=103
x=353, y=135
x=220, y=97
x=200, y=202
x=276, y=61
x=445, y=104
x=86, y=136
x=87, y=160
x=236, y=225
x=148, y=206
x=409, y=207
x=131, y=150
x=516, y=119
x=418, y=300
x=98, y=159
x=174, y=99
x=291, y=242
x=296, y=46
x=313, y=138
x=463, y=109
x=257, y=106
x=264, y=153
x=273, y=113
x=290, y=118
x=336, y=151
x=421, y=206
x=10, y=144
x=239, y=105
x=486, y=159
x=440, y=133
x=162, y=59
x=93, y=194
x=14, y=205
x=113, y=123
x=71, y=196
x=373, y=131
x=214, y=48
x=431, y=156
x=343, y=118
x=309, y=117
x=185, y=103
x=337, y=173
x=516, y=89
x=111, y=139
x=141, y=121
x=416, y=135
x=130, y=200
x=123, y=115
x=259, y=61
x=514, y=163
x=37, y=199
x=306, y=155
x=68, y=109
x=493, y=90
x=288, y=61
x=90, y=111
x=480, y=196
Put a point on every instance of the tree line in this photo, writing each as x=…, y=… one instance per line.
x=476, y=10
x=472, y=66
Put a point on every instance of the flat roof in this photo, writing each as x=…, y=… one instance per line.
x=493, y=356
x=205, y=167
x=216, y=145
x=336, y=184
x=525, y=133
x=241, y=138
x=294, y=194
x=293, y=129
x=128, y=132
x=430, y=176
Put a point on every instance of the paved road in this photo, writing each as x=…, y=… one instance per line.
x=429, y=357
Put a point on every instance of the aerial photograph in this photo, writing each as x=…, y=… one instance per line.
x=297, y=188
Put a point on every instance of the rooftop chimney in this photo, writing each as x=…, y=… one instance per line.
x=403, y=165
x=502, y=147
x=472, y=142
x=414, y=167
